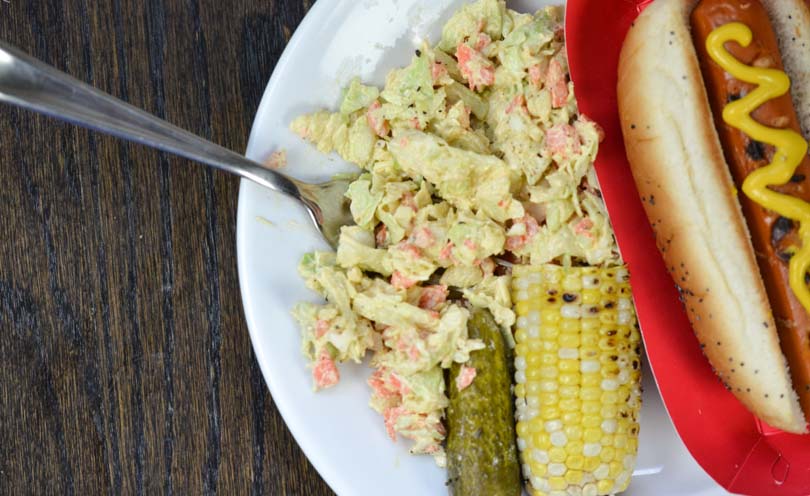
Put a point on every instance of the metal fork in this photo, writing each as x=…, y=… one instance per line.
x=34, y=85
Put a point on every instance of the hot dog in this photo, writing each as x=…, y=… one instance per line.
x=774, y=237
x=729, y=242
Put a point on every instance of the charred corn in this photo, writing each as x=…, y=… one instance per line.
x=577, y=379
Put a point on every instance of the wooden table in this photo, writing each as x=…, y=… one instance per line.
x=125, y=362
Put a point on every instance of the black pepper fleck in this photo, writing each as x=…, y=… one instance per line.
x=797, y=178
x=568, y=297
x=418, y=53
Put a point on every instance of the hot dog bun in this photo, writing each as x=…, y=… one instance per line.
x=690, y=199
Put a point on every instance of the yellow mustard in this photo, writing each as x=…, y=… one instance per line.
x=790, y=145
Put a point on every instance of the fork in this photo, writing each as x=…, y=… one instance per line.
x=30, y=83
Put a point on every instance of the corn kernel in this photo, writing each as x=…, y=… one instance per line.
x=521, y=336
x=591, y=462
x=608, y=318
x=522, y=429
x=522, y=307
x=609, y=411
x=576, y=462
x=574, y=447
x=570, y=404
x=615, y=469
x=574, y=432
x=551, y=332
x=589, y=326
x=573, y=476
x=556, y=469
x=592, y=435
x=607, y=454
x=569, y=340
x=602, y=471
x=549, y=413
x=550, y=319
x=605, y=486
x=533, y=387
x=591, y=380
x=548, y=358
x=590, y=393
x=572, y=418
x=557, y=455
x=570, y=391
x=541, y=439
x=568, y=366
x=557, y=483
x=548, y=386
x=591, y=409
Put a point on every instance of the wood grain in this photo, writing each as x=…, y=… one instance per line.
x=125, y=362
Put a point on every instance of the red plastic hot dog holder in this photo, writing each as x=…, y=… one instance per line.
x=741, y=453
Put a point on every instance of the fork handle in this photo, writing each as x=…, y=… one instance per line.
x=34, y=85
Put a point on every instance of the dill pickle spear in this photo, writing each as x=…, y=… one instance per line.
x=482, y=457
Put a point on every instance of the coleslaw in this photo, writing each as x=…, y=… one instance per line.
x=473, y=154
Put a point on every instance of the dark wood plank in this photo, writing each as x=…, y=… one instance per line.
x=125, y=363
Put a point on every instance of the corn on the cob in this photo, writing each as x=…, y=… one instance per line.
x=577, y=375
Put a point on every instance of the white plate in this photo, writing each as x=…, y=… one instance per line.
x=341, y=435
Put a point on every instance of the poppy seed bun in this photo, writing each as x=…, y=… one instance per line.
x=689, y=196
